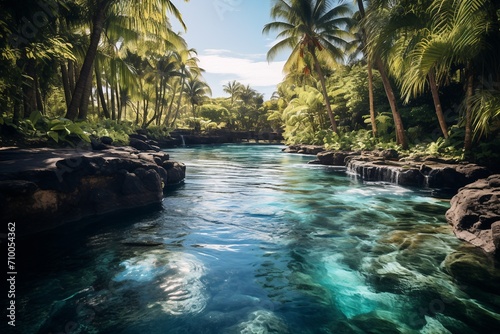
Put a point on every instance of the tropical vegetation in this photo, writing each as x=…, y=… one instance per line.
x=421, y=75
x=414, y=75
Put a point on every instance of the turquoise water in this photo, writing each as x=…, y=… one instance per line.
x=257, y=241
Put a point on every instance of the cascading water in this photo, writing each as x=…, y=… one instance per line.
x=257, y=241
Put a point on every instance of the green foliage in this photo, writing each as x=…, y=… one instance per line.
x=64, y=130
x=441, y=147
x=215, y=113
x=118, y=131
x=157, y=132
x=38, y=126
x=354, y=140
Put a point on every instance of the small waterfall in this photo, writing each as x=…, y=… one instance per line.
x=368, y=172
x=426, y=181
x=395, y=175
x=183, y=144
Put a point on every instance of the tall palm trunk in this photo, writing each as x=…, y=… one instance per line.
x=29, y=88
x=71, y=76
x=84, y=105
x=97, y=28
x=38, y=94
x=370, y=73
x=325, y=93
x=179, y=101
x=169, y=110
x=118, y=102
x=65, y=82
x=371, y=99
x=113, y=106
x=469, y=92
x=437, y=103
x=100, y=91
x=398, y=122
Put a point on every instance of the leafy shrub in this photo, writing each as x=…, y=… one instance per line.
x=38, y=126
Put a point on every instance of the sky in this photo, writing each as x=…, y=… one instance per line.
x=227, y=34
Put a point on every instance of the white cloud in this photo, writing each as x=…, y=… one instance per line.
x=250, y=69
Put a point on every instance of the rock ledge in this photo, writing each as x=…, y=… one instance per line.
x=41, y=189
x=475, y=214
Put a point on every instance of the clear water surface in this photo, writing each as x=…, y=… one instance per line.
x=257, y=241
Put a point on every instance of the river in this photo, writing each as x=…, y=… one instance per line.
x=258, y=241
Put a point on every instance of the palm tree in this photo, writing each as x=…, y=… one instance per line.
x=376, y=43
x=407, y=29
x=232, y=88
x=311, y=29
x=459, y=36
x=102, y=9
x=355, y=48
x=188, y=66
x=196, y=91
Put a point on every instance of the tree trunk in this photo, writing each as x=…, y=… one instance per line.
x=170, y=105
x=118, y=102
x=137, y=113
x=84, y=105
x=99, y=90
x=162, y=106
x=469, y=91
x=325, y=93
x=65, y=82
x=29, y=88
x=113, y=110
x=437, y=103
x=17, y=109
x=71, y=77
x=370, y=74
x=97, y=27
x=145, y=114
x=398, y=122
x=371, y=99
x=38, y=94
x=179, y=102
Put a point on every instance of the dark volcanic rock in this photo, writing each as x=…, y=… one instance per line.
x=140, y=145
x=334, y=158
x=455, y=176
x=429, y=174
x=475, y=214
x=44, y=188
x=304, y=149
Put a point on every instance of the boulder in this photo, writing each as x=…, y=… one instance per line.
x=334, y=158
x=140, y=145
x=41, y=189
x=475, y=214
x=304, y=149
x=454, y=176
x=429, y=174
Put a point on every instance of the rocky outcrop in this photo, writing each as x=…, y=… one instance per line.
x=385, y=166
x=388, y=166
x=44, y=188
x=334, y=158
x=475, y=214
x=304, y=149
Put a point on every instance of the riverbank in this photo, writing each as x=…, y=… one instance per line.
x=43, y=188
x=474, y=190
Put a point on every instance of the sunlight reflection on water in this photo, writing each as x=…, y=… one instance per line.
x=256, y=241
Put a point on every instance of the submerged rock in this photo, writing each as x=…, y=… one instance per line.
x=475, y=214
x=44, y=188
